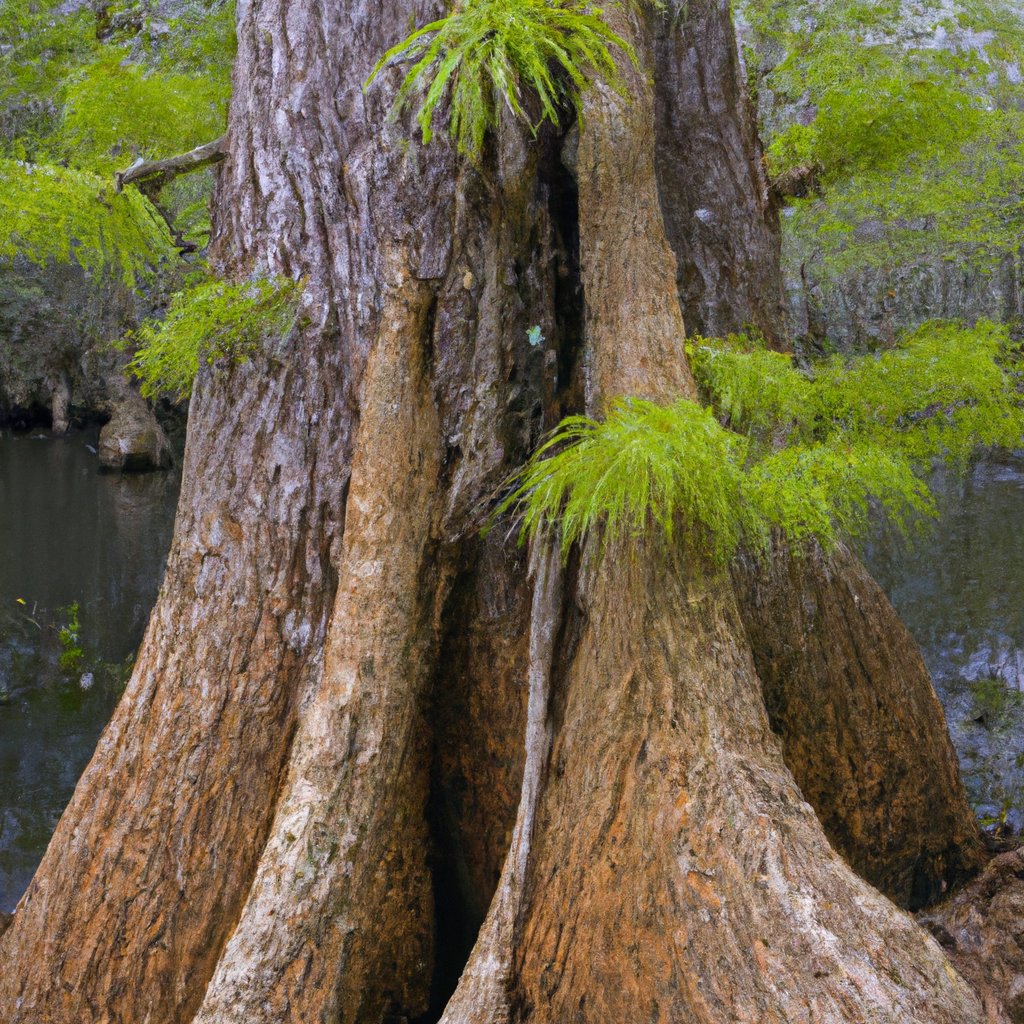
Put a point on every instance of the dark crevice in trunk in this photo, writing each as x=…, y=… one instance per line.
x=475, y=775
x=563, y=209
x=457, y=920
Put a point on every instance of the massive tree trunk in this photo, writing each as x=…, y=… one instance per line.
x=251, y=841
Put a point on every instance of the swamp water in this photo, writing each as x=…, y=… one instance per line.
x=960, y=590
x=69, y=536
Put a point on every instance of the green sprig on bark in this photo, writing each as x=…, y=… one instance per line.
x=811, y=453
x=490, y=53
x=212, y=321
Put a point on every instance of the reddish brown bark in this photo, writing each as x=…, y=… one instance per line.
x=675, y=870
x=861, y=727
x=982, y=931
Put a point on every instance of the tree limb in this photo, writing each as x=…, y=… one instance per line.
x=153, y=175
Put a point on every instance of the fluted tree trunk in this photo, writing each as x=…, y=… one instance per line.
x=257, y=838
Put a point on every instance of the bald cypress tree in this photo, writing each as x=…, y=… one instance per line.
x=351, y=709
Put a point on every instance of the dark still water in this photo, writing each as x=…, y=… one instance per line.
x=961, y=591
x=69, y=536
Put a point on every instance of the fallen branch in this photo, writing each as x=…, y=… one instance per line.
x=150, y=177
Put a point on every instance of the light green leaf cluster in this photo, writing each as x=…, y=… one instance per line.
x=516, y=53
x=644, y=465
x=944, y=392
x=114, y=112
x=40, y=46
x=915, y=146
x=69, y=100
x=57, y=213
x=828, y=491
x=99, y=104
x=753, y=389
x=208, y=322
x=810, y=453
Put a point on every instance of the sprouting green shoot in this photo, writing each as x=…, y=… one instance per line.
x=645, y=465
x=492, y=52
x=809, y=454
x=214, y=320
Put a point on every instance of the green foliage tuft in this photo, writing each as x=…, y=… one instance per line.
x=73, y=102
x=71, y=651
x=752, y=388
x=827, y=492
x=115, y=112
x=211, y=321
x=490, y=52
x=54, y=213
x=811, y=454
x=644, y=465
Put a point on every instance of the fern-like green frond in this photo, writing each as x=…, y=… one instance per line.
x=753, y=389
x=827, y=492
x=487, y=53
x=214, y=320
x=944, y=392
x=809, y=453
x=644, y=466
x=55, y=213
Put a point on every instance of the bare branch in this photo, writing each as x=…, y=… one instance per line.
x=152, y=176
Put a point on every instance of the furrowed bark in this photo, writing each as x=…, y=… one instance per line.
x=678, y=873
x=720, y=216
x=349, y=836
x=634, y=326
x=347, y=857
x=861, y=727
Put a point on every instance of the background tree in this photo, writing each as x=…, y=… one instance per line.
x=897, y=129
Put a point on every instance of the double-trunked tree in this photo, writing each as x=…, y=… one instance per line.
x=353, y=711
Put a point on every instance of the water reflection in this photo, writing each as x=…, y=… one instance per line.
x=961, y=592
x=68, y=535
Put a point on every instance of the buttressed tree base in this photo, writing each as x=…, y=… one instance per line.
x=373, y=766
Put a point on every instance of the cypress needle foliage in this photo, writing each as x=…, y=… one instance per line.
x=55, y=213
x=208, y=322
x=492, y=52
x=827, y=492
x=810, y=454
x=641, y=468
x=74, y=105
